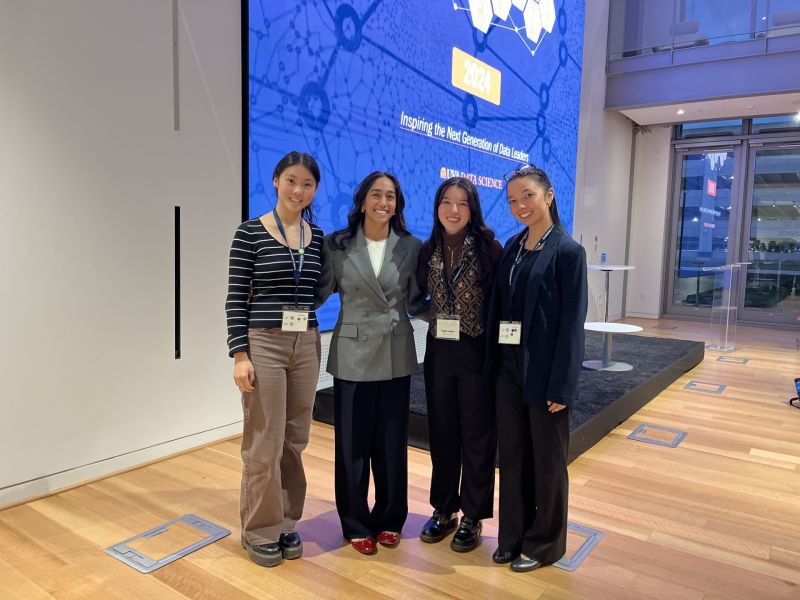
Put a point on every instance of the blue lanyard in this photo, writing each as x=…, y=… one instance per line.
x=296, y=268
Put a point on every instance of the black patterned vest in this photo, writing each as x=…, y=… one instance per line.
x=468, y=297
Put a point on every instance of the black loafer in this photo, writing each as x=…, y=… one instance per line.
x=523, y=564
x=502, y=557
x=437, y=528
x=264, y=555
x=291, y=545
x=467, y=536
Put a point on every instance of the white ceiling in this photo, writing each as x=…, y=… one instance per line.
x=753, y=106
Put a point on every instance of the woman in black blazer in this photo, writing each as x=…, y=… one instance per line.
x=537, y=313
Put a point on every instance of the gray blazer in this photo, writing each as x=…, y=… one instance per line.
x=373, y=339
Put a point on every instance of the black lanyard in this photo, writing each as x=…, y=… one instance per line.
x=512, y=281
x=296, y=268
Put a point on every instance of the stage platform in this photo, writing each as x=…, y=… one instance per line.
x=605, y=398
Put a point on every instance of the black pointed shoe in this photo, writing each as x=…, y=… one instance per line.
x=264, y=555
x=437, y=527
x=291, y=545
x=467, y=535
x=523, y=564
x=502, y=557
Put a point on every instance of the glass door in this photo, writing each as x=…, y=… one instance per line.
x=771, y=281
x=704, y=224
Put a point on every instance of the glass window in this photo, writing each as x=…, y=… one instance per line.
x=774, y=246
x=701, y=22
x=777, y=123
x=705, y=207
x=709, y=128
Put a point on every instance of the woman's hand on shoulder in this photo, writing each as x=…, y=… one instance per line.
x=243, y=373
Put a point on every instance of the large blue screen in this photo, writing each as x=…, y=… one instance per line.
x=425, y=89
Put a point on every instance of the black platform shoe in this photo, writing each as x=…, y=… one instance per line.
x=291, y=545
x=437, y=527
x=467, y=536
x=265, y=555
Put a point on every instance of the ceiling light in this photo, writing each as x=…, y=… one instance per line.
x=695, y=219
x=681, y=111
x=797, y=117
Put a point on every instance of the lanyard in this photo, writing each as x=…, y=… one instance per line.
x=450, y=286
x=296, y=268
x=512, y=281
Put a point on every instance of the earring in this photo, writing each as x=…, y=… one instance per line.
x=363, y=209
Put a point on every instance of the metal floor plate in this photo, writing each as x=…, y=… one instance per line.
x=136, y=558
x=705, y=387
x=640, y=435
x=592, y=536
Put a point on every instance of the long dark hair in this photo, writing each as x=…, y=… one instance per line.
x=541, y=178
x=305, y=160
x=477, y=227
x=355, y=218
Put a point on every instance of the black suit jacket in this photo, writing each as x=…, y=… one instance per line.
x=556, y=298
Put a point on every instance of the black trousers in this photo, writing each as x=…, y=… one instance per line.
x=461, y=427
x=533, y=468
x=371, y=424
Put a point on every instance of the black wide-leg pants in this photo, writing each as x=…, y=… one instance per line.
x=461, y=427
x=534, y=486
x=371, y=426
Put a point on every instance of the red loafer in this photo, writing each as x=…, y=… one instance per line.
x=390, y=539
x=364, y=545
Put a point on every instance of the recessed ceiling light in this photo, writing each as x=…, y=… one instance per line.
x=751, y=106
x=681, y=111
x=797, y=116
x=763, y=18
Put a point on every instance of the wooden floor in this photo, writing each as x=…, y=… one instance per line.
x=716, y=518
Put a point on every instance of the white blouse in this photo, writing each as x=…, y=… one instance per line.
x=376, y=253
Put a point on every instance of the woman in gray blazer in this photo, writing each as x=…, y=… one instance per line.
x=371, y=264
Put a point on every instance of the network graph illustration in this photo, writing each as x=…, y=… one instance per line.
x=538, y=18
x=334, y=77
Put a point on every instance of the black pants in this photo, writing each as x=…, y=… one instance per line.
x=461, y=427
x=371, y=423
x=533, y=468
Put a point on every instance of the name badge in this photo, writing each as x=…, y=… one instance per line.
x=510, y=333
x=448, y=327
x=294, y=319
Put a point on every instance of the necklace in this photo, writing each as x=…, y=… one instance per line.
x=452, y=255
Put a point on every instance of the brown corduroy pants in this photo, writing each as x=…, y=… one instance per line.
x=277, y=420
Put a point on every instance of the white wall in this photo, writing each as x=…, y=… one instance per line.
x=648, y=222
x=90, y=169
x=603, y=169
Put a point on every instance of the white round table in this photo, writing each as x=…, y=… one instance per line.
x=607, y=269
x=608, y=329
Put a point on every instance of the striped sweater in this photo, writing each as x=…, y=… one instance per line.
x=261, y=281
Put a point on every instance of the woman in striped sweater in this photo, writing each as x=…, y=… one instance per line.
x=274, y=340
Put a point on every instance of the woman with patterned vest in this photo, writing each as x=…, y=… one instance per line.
x=456, y=267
